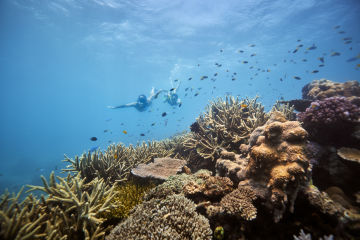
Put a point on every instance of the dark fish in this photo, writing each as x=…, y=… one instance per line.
x=315, y=71
x=281, y=79
x=321, y=59
x=240, y=51
x=106, y=130
x=203, y=77
x=300, y=46
x=93, y=139
x=221, y=50
x=335, y=54
x=234, y=73
x=299, y=40
x=253, y=55
x=321, y=65
x=341, y=32
x=198, y=65
x=295, y=50
x=347, y=42
x=304, y=60
x=163, y=114
x=337, y=27
x=252, y=45
x=186, y=89
x=244, y=62
x=215, y=74
x=153, y=124
x=172, y=89
x=196, y=94
x=190, y=78
x=312, y=47
x=233, y=79
x=347, y=38
x=176, y=80
x=180, y=104
x=297, y=78
x=353, y=58
x=142, y=134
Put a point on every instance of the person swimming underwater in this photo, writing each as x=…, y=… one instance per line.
x=172, y=98
x=142, y=103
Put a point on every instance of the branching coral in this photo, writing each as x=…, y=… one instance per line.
x=115, y=164
x=226, y=124
x=171, y=218
x=286, y=109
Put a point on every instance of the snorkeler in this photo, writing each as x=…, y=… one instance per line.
x=172, y=98
x=142, y=103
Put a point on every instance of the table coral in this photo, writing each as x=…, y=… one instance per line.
x=171, y=218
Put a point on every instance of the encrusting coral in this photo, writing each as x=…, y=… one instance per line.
x=115, y=164
x=171, y=218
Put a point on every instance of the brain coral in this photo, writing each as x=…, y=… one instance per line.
x=278, y=164
x=172, y=218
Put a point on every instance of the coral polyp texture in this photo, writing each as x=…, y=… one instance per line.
x=278, y=165
x=323, y=88
x=331, y=119
x=171, y=218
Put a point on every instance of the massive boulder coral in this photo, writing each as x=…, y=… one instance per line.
x=171, y=218
x=323, y=88
x=276, y=165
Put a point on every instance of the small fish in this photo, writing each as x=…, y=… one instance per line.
x=153, y=124
x=234, y=73
x=354, y=58
x=196, y=94
x=186, y=89
x=125, y=132
x=347, y=38
x=333, y=54
x=93, y=139
x=321, y=59
x=299, y=46
x=203, y=77
x=180, y=104
x=295, y=50
x=244, y=62
x=337, y=27
x=348, y=42
x=142, y=134
x=215, y=74
x=240, y=51
x=299, y=40
x=252, y=45
x=297, y=78
x=315, y=71
x=321, y=65
x=106, y=130
x=268, y=70
x=189, y=78
x=244, y=105
x=304, y=60
x=172, y=89
x=198, y=65
x=221, y=50
x=341, y=32
x=176, y=80
x=163, y=114
x=233, y=79
x=313, y=47
x=253, y=55
x=281, y=79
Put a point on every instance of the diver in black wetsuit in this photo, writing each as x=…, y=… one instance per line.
x=172, y=98
x=142, y=103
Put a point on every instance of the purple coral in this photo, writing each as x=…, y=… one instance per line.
x=331, y=117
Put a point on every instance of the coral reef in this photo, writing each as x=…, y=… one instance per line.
x=331, y=120
x=115, y=164
x=323, y=88
x=304, y=236
x=350, y=154
x=171, y=218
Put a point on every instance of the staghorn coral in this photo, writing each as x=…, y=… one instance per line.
x=323, y=88
x=115, y=164
x=239, y=203
x=331, y=119
x=171, y=218
x=225, y=125
x=73, y=208
x=285, y=108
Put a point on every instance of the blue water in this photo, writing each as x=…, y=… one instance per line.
x=62, y=62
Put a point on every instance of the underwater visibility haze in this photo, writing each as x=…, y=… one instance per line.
x=64, y=65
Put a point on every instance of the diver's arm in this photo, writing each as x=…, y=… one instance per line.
x=133, y=104
x=155, y=95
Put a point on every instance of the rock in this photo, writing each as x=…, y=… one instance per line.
x=160, y=169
